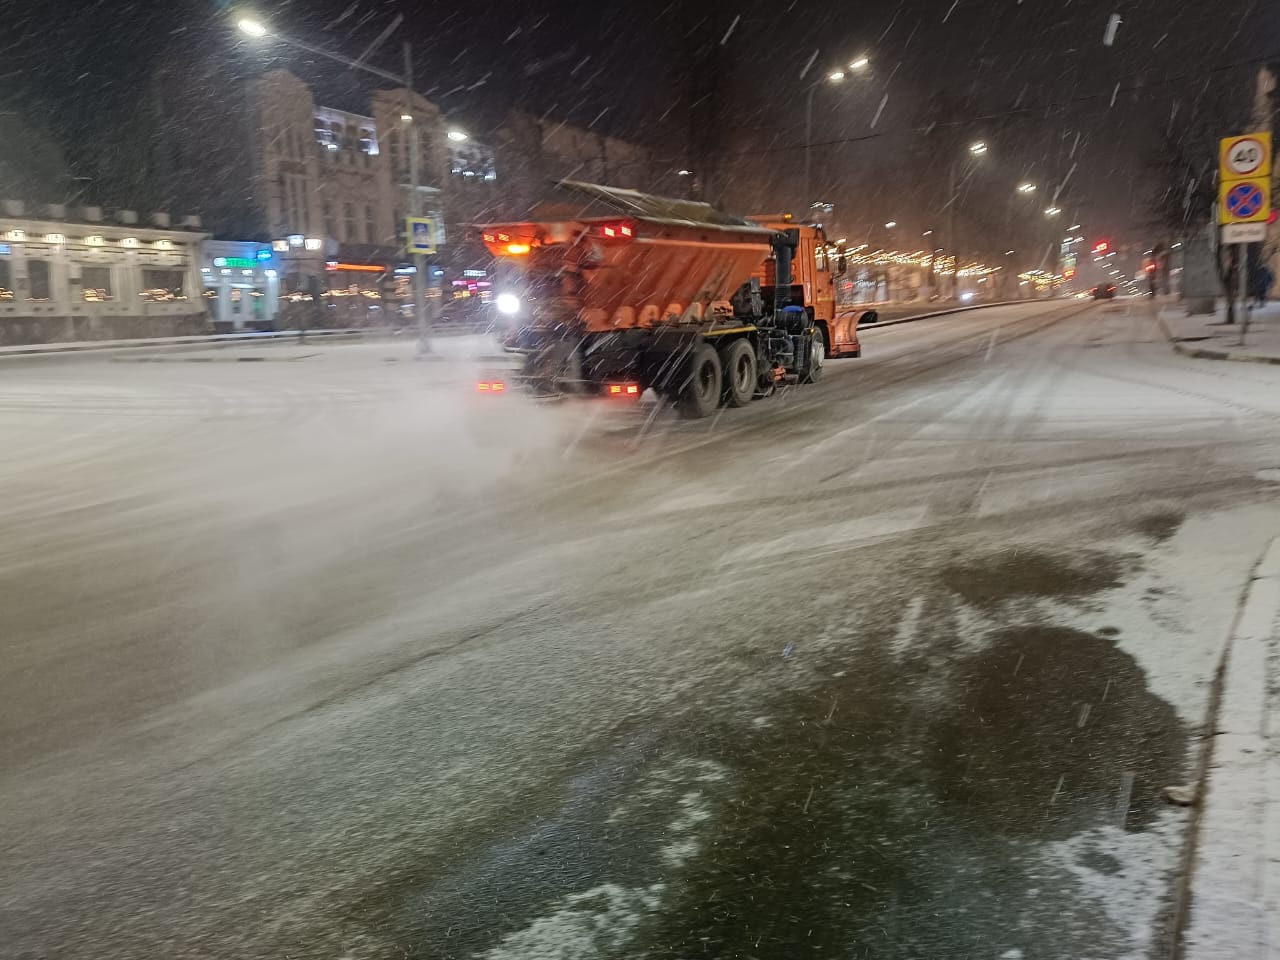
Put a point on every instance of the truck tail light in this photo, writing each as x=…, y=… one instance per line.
x=622, y=230
x=491, y=386
x=624, y=390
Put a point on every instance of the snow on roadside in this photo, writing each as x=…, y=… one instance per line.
x=1115, y=869
x=1174, y=615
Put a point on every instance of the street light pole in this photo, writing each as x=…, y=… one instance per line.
x=415, y=207
x=834, y=77
x=976, y=150
x=951, y=233
x=421, y=302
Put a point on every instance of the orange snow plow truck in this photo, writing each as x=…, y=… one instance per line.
x=611, y=292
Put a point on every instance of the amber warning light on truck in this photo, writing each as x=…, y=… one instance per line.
x=506, y=244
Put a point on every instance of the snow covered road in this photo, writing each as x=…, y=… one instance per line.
x=326, y=656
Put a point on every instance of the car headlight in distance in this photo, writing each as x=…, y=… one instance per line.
x=508, y=303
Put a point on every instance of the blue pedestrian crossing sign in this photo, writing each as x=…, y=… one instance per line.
x=420, y=235
x=1245, y=201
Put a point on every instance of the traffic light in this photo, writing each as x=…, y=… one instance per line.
x=1101, y=246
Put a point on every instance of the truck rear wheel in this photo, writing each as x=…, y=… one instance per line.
x=740, y=372
x=817, y=357
x=699, y=394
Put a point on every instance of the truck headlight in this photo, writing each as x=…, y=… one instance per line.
x=508, y=303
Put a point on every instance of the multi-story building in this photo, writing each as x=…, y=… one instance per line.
x=342, y=182
x=325, y=187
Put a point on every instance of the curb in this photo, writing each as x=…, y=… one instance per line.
x=1201, y=353
x=1228, y=904
x=942, y=313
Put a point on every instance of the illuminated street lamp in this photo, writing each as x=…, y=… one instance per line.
x=1027, y=188
x=835, y=76
x=1052, y=211
x=891, y=224
x=978, y=149
x=251, y=27
x=457, y=136
x=860, y=64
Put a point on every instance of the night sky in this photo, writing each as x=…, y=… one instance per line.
x=1032, y=76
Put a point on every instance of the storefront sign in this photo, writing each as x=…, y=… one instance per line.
x=333, y=265
x=238, y=263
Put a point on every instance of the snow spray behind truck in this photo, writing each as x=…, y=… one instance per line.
x=611, y=292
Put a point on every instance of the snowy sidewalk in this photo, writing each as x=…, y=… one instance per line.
x=1234, y=895
x=1210, y=337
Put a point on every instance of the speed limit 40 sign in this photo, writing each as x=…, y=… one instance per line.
x=1245, y=157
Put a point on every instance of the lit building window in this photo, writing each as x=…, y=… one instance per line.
x=95, y=283
x=162, y=286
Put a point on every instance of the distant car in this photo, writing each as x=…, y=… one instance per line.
x=1104, y=291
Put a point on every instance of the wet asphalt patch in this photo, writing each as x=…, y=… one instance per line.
x=886, y=804
x=905, y=822
x=1160, y=525
x=988, y=580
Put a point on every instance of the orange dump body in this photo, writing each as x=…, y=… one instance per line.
x=620, y=272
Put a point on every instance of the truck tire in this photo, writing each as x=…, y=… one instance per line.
x=739, y=368
x=817, y=357
x=699, y=394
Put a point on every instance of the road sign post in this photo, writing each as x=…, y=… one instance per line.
x=1244, y=204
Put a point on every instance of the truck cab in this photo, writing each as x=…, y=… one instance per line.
x=813, y=285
